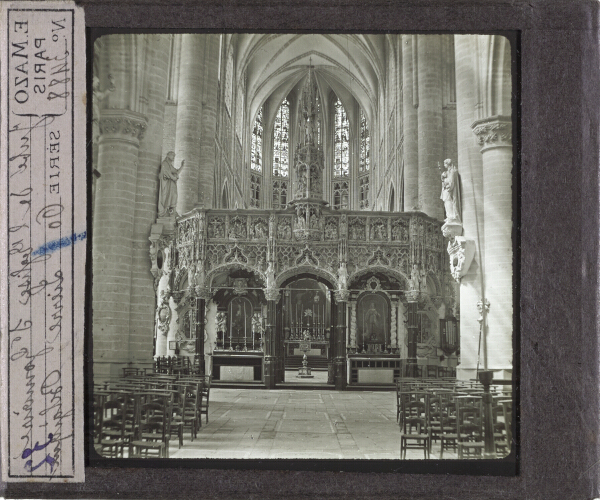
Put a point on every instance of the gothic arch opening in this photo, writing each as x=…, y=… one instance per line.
x=225, y=197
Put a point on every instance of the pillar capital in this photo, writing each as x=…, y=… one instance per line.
x=412, y=296
x=341, y=295
x=493, y=132
x=123, y=123
x=272, y=294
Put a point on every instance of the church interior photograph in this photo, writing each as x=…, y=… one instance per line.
x=302, y=246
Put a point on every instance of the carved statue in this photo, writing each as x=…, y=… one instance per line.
x=415, y=278
x=192, y=275
x=167, y=198
x=343, y=277
x=272, y=226
x=221, y=321
x=260, y=229
x=372, y=319
x=256, y=323
x=301, y=217
x=451, y=191
x=301, y=182
x=97, y=97
x=343, y=226
x=270, y=275
x=201, y=223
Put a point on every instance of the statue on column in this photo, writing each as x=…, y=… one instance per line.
x=167, y=198
x=415, y=278
x=451, y=191
x=97, y=97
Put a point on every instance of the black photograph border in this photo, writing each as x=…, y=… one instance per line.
x=557, y=253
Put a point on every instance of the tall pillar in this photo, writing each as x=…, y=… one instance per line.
x=272, y=296
x=340, y=375
x=206, y=178
x=470, y=168
x=495, y=138
x=118, y=148
x=410, y=126
x=431, y=134
x=142, y=307
x=162, y=323
x=189, y=119
x=200, y=331
x=412, y=325
x=393, y=327
x=353, y=323
x=401, y=330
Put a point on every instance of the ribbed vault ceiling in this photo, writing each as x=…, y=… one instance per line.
x=275, y=63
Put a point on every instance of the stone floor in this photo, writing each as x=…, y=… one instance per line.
x=258, y=423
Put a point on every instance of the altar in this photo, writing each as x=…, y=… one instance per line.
x=237, y=366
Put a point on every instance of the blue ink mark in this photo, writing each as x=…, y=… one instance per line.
x=56, y=244
x=28, y=451
x=49, y=460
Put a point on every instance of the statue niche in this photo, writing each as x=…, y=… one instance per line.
x=373, y=322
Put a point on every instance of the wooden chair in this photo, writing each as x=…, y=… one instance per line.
x=152, y=441
x=415, y=432
x=112, y=436
x=127, y=372
x=448, y=436
x=189, y=415
x=502, y=417
x=205, y=398
x=469, y=427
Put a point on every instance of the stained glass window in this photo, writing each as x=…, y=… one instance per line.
x=281, y=148
x=340, y=195
x=341, y=141
x=255, y=191
x=257, y=137
x=365, y=145
x=280, y=187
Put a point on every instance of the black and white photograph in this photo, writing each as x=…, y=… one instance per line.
x=303, y=246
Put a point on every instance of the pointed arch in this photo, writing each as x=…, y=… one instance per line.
x=225, y=195
x=391, y=198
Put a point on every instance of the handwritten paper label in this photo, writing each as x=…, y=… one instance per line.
x=44, y=228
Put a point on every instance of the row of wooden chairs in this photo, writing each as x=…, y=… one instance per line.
x=452, y=415
x=142, y=413
x=430, y=371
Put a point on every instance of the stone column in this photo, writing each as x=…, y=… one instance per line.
x=431, y=134
x=172, y=333
x=272, y=296
x=470, y=169
x=118, y=149
x=206, y=176
x=353, y=306
x=200, y=330
x=410, y=126
x=189, y=120
x=341, y=305
x=393, y=326
x=146, y=196
x=162, y=329
x=412, y=325
x=495, y=139
x=401, y=331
